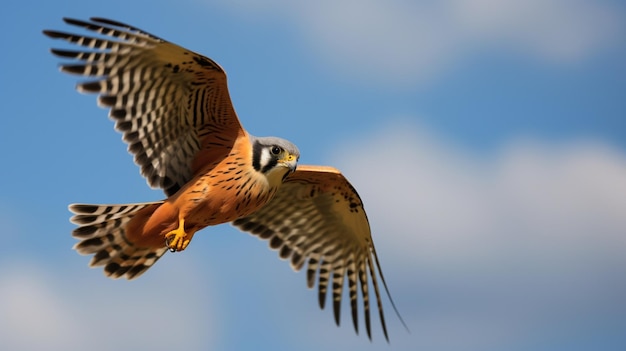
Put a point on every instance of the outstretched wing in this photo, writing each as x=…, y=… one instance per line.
x=171, y=104
x=317, y=217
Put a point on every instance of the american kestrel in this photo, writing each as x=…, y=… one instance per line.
x=174, y=111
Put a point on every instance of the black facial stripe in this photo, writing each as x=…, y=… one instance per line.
x=257, y=150
x=257, y=157
x=269, y=165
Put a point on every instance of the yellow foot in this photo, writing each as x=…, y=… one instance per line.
x=177, y=239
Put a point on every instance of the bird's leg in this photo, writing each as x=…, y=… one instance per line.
x=178, y=239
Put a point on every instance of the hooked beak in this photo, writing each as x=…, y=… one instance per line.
x=291, y=161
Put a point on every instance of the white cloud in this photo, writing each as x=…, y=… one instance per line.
x=403, y=42
x=561, y=30
x=33, y=318
x=49, y=309
x=452, y=205
x=498, y=252
x=494, y=249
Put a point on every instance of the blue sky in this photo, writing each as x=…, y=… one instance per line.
x=486, y=138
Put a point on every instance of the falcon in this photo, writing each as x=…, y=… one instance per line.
x=174, y=111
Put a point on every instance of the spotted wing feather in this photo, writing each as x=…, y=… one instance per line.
x=166, y=100
x=318, y=218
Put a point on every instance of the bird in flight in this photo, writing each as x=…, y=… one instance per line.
x=173, y=108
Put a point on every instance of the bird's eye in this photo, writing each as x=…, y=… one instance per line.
x=276, y=150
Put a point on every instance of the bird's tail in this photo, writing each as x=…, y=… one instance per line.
x=102, y=232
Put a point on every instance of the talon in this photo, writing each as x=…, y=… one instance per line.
x=177, y=239
x=167, y=243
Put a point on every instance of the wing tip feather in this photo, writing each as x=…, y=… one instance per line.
x=54, y=34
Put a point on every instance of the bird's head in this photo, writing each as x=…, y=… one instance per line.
x=276, y=158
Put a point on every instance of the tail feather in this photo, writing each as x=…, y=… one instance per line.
x=102, y=232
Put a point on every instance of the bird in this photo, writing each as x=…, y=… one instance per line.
x=173, y=109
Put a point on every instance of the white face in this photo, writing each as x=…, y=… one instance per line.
x=266, y=156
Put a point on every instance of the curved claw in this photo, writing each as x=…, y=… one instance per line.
x=178, y=239
x=169, y=247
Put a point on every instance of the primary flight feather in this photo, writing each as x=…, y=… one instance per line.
x=174, y=111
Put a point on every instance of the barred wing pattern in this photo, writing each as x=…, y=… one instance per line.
x=165, y=99
x=102, y=233
x=317, y=217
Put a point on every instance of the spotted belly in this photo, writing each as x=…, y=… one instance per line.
x=225, y=198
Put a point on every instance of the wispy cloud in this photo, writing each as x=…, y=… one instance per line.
x=495, y=250
x=567, y=196
x=404, y=42
x=33, y=317
x=499, y=251
x=54, y=308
